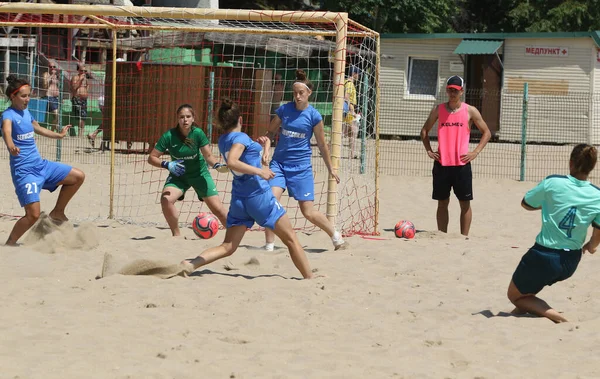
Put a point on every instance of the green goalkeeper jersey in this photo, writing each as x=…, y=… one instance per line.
x=186, y=149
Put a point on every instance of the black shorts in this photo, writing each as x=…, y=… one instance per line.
x=79, y=108
x=542, y=266
x=458, y=178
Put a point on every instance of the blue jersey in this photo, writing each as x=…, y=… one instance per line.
x=569, y=206
x=23, y=138
x=244, y=185
x=297, y=127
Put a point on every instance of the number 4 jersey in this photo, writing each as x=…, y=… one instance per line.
x=569, y=206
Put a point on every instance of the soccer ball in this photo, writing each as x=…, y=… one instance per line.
x=205, y=225
x=405, y=229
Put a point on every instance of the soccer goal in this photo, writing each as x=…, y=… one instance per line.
x=141, y=63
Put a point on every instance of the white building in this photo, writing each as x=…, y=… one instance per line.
x=561, y=69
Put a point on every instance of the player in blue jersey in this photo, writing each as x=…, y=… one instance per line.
x=30, y=173
x=569, y=204
x=296, y=122
x=251, y=197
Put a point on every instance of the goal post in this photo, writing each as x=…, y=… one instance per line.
x=143, y=62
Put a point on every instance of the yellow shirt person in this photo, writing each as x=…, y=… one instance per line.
x=350, y=97
x=350, y=119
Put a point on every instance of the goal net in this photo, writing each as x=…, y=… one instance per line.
x=137, y=65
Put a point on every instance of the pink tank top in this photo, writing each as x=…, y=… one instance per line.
x=453, y=134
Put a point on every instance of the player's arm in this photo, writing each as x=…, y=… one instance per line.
x=176, y=168
x=319, y=132
x=475, y=116
x=273, y=127
x=210, y=159
x=265, y=142
x=154, y=158
x=38, y=129
x=7, y=136
x=594, y=241
x=431, y=119
x=529, y=207
x=234, y=163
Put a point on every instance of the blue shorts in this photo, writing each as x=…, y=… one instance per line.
x=542, y=266
x=52, y=103
x=263, y=209
x=46, y=176
x=299, y=180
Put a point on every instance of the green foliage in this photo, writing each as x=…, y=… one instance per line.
x=447, y=16
x=398, y=16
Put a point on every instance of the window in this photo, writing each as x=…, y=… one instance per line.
x=422, y=76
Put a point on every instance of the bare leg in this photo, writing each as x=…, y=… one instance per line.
x=32, y=214
x=353, y=136
x=269, y=235
x=283, y=229
x=466, y=215
x=53, y=121
x=532, y=304
x=216, y=207
x=167, y=203
x=442, y=215
x=81, y=128
x=319, y=219
x=233, y=237
x=70, y=186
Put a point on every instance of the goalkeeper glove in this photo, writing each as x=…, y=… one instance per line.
x=175, y=167
x=221, y=167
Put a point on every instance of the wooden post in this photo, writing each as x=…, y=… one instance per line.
x=338, y=105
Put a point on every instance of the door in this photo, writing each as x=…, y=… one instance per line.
x=484, y=82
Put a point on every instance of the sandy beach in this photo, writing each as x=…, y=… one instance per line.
x=431, y=307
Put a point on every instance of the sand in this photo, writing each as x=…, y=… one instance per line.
x=431, y=307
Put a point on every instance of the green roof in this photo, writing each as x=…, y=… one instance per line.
x=595, y=35
x=475, y=47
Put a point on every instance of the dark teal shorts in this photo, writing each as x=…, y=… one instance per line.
x=542, y=266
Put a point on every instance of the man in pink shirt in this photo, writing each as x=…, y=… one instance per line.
x=452, y=166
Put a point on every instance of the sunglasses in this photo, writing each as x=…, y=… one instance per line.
x=53, y=67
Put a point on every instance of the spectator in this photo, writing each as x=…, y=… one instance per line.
x=79, y=95
x=50, y=83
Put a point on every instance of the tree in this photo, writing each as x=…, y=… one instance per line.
x=399, y=16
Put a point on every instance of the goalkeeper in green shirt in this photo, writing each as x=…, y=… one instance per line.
x=190, y=156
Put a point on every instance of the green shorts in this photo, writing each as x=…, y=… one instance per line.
x=204, y=185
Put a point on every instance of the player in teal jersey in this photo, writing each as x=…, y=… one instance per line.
x=188, y=168
x=569, y=204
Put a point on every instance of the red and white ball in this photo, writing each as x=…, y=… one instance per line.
x=205, y=225
x=405, y=229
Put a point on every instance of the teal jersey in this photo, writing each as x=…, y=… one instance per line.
x=569, y=207
x=187, y=149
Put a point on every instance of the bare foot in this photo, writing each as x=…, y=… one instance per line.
x=187, y=267
x=12, y=244
x=58, y=218
x=518, y=312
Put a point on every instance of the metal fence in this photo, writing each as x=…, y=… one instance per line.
x=533, y=132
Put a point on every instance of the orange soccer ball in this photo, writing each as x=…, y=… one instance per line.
x=405, y=229
x=205, y=225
